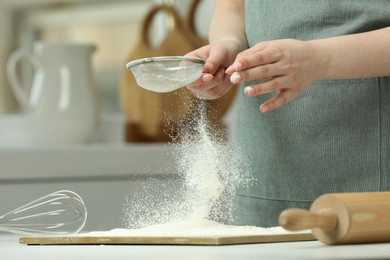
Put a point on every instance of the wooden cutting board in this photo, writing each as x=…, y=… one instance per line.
x=166, y=240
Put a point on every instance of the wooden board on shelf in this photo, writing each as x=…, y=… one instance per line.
x=166, y=240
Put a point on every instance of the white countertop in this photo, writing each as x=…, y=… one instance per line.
x=12, y=250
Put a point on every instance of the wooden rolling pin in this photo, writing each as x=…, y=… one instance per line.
x=344, y=218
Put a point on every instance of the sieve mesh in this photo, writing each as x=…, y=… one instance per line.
x=165, y=74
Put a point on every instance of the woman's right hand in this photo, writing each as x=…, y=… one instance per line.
x=214, y=82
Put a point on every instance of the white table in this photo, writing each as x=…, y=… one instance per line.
x=10, y=249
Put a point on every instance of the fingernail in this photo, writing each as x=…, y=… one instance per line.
x=208, y=67
x=238, y=65
x=249, y=91
x=207, y=77
x=264, y=108
x=235, y=78
x=229, y=70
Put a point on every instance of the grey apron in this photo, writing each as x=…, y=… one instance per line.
x=334, y=137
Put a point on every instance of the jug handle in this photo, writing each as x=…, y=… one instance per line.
x=19, y=91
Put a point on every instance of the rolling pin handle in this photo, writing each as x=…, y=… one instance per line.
x=300, y=219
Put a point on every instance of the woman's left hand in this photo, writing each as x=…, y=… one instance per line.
x=286, y=67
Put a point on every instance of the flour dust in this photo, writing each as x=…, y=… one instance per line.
x=210, y=169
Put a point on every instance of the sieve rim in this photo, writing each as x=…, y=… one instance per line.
x=163, y=58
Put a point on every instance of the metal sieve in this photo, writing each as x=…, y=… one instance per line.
x=167, y=73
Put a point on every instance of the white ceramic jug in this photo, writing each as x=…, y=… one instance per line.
x=63, y=99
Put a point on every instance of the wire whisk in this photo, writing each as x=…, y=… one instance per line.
x=61, y=212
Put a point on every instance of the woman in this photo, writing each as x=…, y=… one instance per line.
x=318, y=72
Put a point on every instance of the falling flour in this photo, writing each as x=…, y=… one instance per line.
x=210, y=169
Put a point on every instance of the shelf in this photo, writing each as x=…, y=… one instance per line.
x=107, y=156
x=84, y=161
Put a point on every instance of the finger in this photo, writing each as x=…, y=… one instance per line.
x=220, y=90
x=265, y=87
x=251, y=58
x=257, y=73
x=213, y=92
x=215, y=60
x=284, y=96
x=203, y=53
x=257, y=48
x=204, y=78
x=205, y=83
x=218, y=79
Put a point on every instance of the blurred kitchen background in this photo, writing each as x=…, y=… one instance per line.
x=106, y=170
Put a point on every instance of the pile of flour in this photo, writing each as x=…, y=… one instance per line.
x=210, y=170
x=192, y=228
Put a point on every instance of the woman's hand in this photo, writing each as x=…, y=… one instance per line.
x=214, y=82
x=286, y=67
